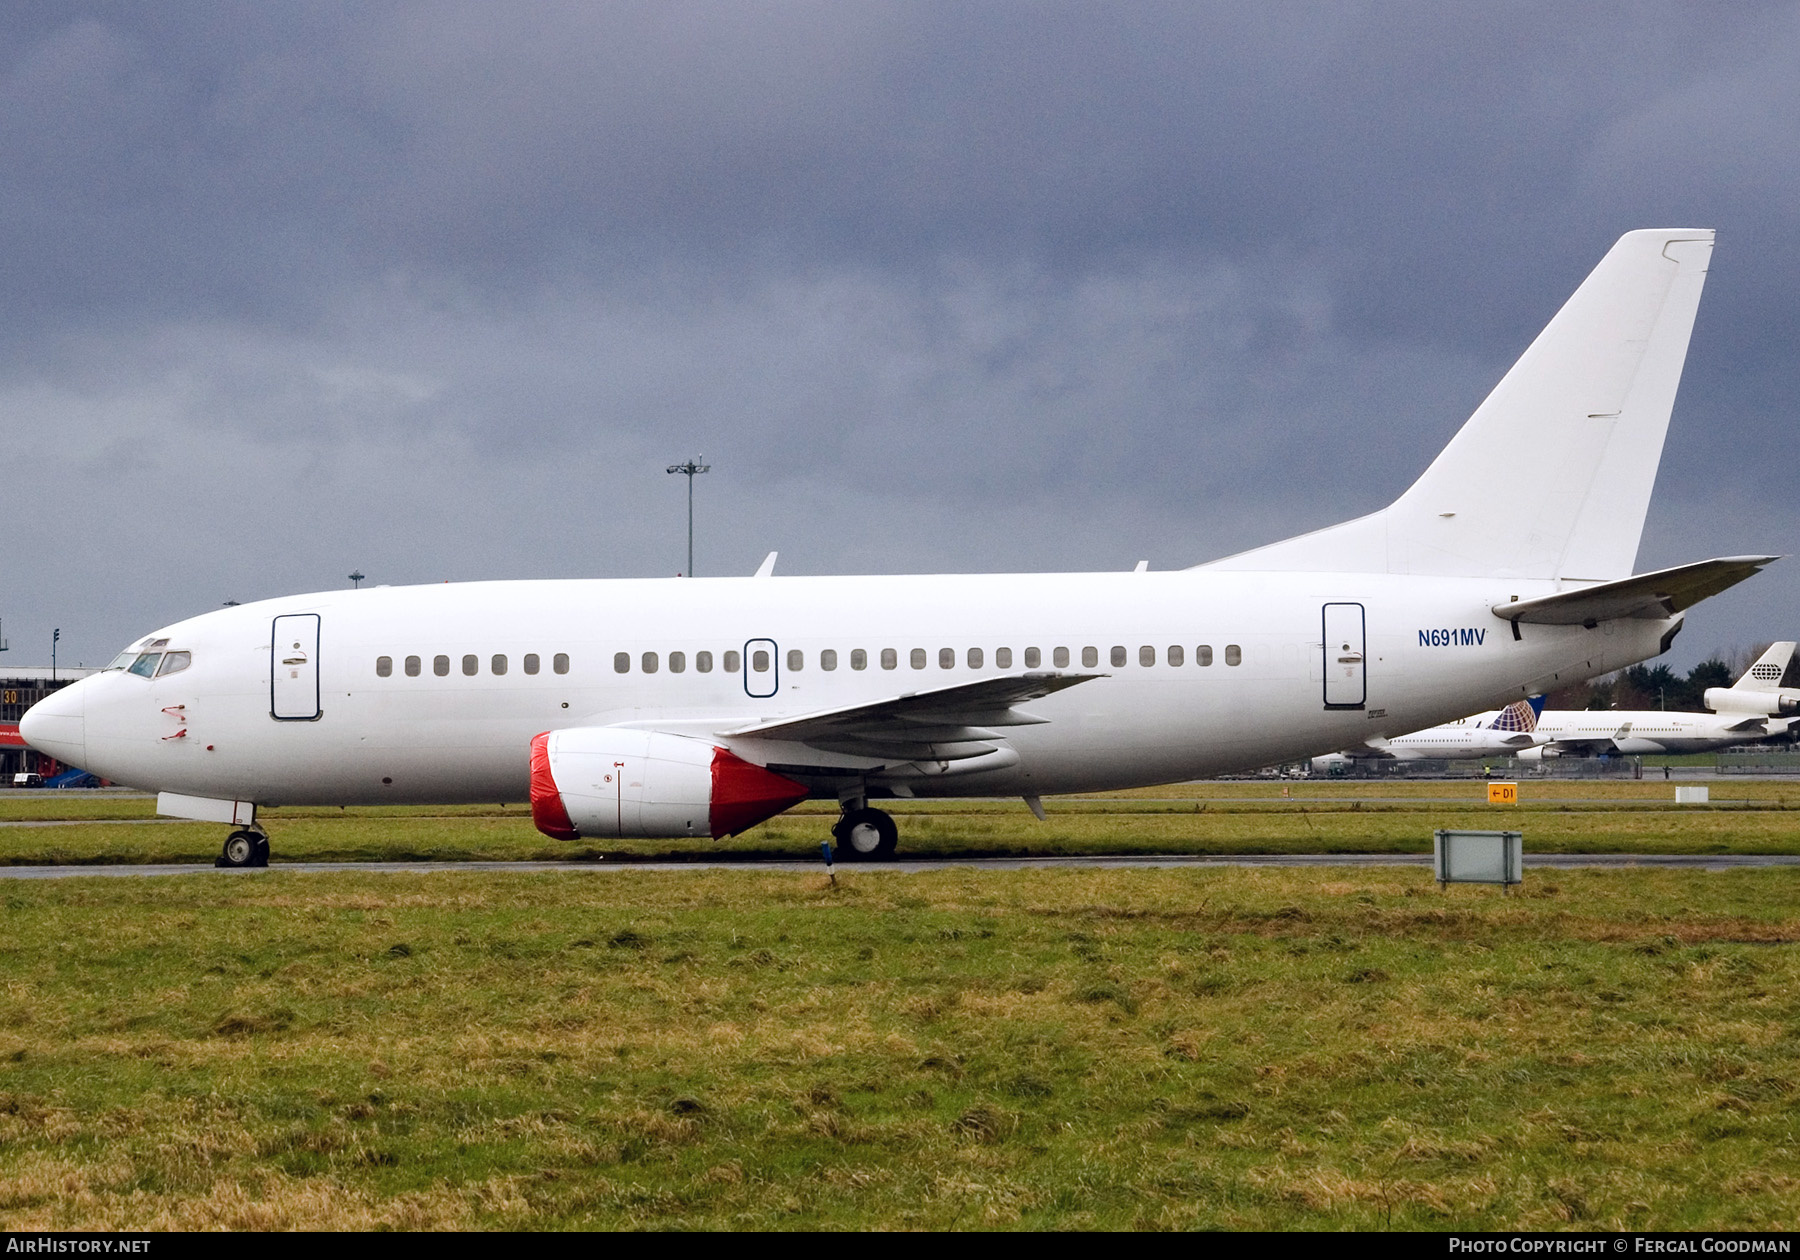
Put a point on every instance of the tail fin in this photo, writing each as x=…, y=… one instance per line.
x=1520, y=715
x=1580, y=419
x=1766, y=674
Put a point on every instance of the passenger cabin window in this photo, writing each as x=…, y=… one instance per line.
x=1061, y=657
x=560, y=662
x=946, y=658
x=1233, y=654
x=859, y=659
x=1146, y=656
x=1090, y=657
x=384, y=667
x=649, y=662
x=498, y=665
x=828, y=658
x=890, y=659
x=677, y=662
x=412, y=667
x=1033, y=658
x=145, y=665
x=175, y=662
x=1203, y=654
x=1002, y=658
x=440, y=665
x=918, y=658
x=734, y=661
x=471, y=665
x=974, y=658
x=1176, y=655
x=796, y=659
x=1118, y=657
x=531, y=662
x=759, y=660
x=621, y=662
x=703, y=662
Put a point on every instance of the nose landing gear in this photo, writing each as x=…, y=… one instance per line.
x=244, y=848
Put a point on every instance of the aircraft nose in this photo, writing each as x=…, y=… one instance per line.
x=57, y=725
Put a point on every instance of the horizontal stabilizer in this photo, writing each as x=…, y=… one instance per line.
x=1759, y=725
x=1648, y=595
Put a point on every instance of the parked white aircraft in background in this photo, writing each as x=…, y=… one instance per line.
x=1507, y=733
x=702, y=706
x=1745, y=712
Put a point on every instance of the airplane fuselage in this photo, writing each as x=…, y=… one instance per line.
x=425, y=693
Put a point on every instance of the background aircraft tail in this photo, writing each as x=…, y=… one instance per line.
x=1520, y=715
x=1572, y=436
x=1765, y=674
x=1759, y=690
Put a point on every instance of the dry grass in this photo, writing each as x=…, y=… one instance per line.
x=1237, y=1048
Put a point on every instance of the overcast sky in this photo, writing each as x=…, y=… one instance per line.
x=436, y=291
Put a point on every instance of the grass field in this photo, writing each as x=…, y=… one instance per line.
x=1060, y=1049
x=1750, y=816
x=1066, y=1048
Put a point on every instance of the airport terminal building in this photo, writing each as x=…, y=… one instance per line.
x=19, y=690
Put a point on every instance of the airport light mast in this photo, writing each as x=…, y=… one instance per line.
x=689, y=470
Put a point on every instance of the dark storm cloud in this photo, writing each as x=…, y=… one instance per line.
x=939, y=286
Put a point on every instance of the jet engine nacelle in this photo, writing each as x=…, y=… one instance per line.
x=611, y=782
x=1538, y=753
x=1743, y=700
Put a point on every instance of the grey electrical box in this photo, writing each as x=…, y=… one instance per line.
x=1478, y=857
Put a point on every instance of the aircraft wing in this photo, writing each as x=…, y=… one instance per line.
x=953, y=720
x=1648, y=595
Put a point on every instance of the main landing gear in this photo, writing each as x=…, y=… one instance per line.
x=244, y=848
x=864, y=834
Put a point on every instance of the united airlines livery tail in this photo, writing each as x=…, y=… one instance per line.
x=1520, y=715
x=1580, y=418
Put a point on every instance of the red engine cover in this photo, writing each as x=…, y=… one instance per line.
x=546, y=802
x=744, y=794
x=619, y=783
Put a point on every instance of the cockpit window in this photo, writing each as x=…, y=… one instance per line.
x=145, y=665
x=174, y=663
x=123, y=659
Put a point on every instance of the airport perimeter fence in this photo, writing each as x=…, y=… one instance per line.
x=1759, y=763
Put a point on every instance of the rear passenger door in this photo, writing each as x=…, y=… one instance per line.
x=1346, y=685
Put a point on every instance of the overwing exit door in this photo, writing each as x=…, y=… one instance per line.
x=294, y=668
x=1346, y=686
x=762, y=669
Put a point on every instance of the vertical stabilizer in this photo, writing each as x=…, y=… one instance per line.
x=1520, y=715
x=1551, y=477
x=1766, y=674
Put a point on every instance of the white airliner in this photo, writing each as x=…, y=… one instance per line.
x=677, y=707
x=1506, y=733
x=1745, y=712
